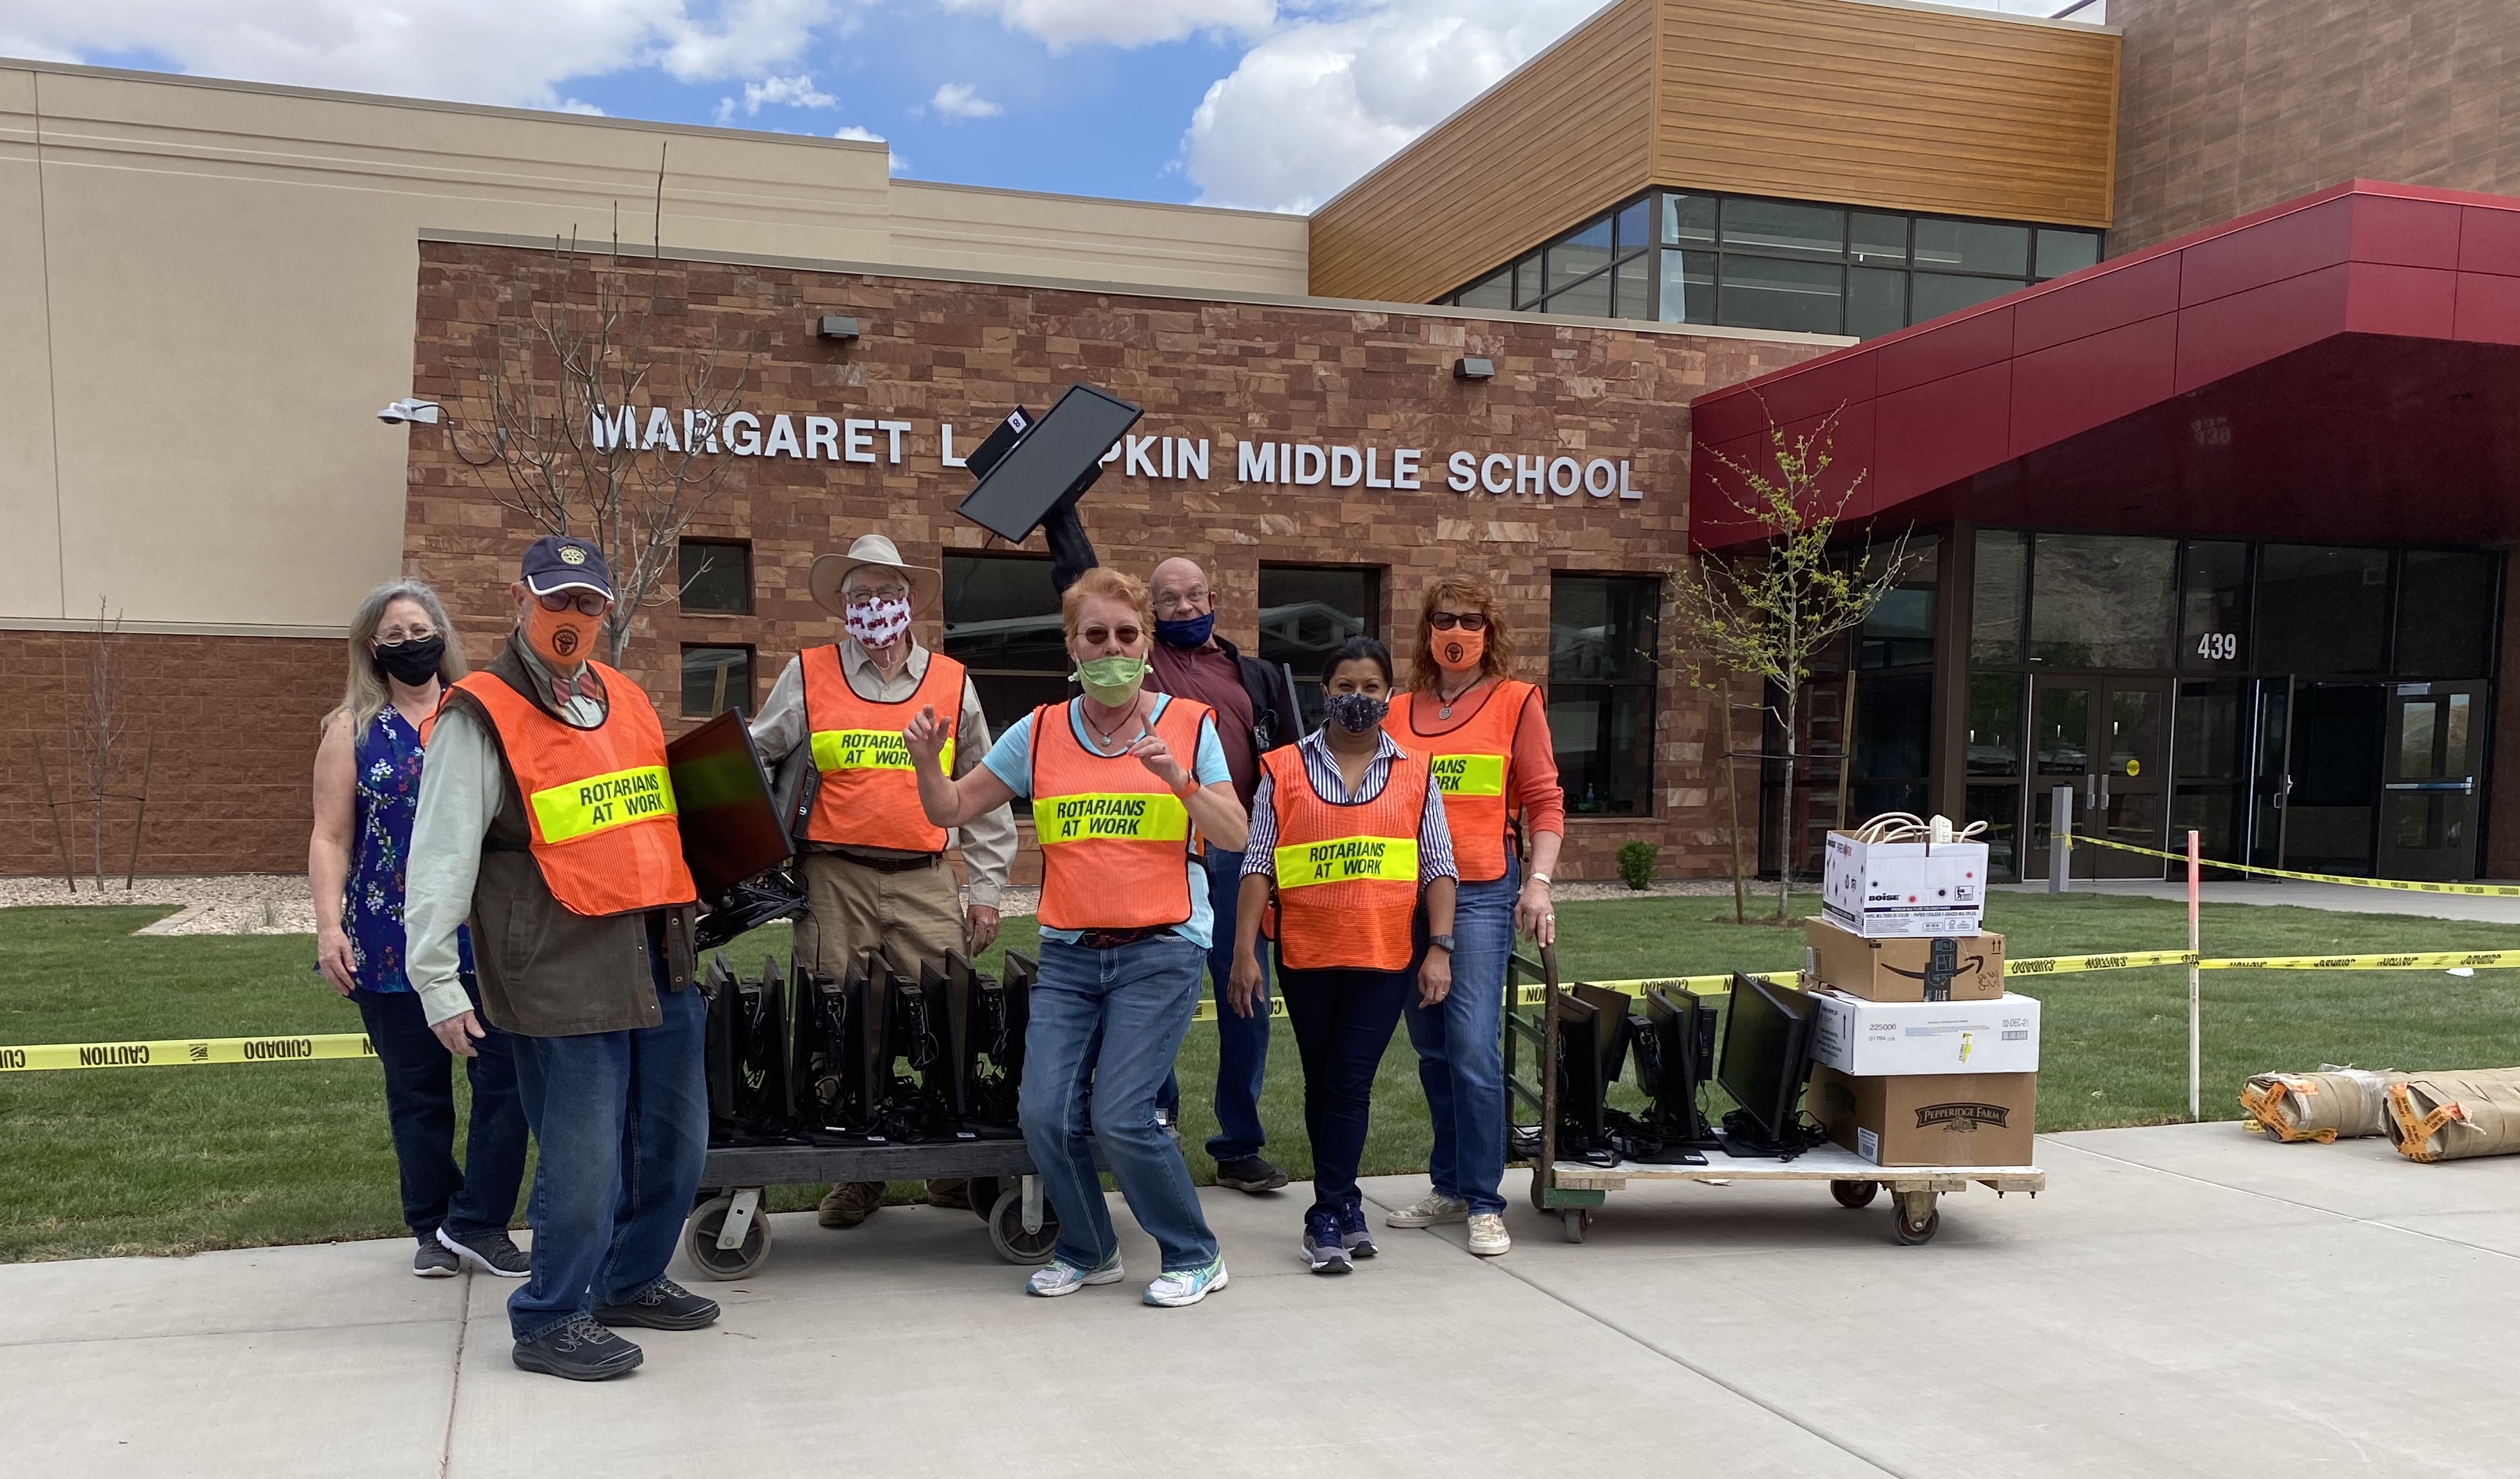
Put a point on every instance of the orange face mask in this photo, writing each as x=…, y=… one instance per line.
x=1459, y=651
x=562, y=638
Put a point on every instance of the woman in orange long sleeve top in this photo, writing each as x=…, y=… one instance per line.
x=1486, y=738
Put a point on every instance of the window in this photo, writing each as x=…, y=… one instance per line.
x=1002, y=623
x=2100, y=601
x=2444, y=614
x=2321, y=609
x=1604, y=635
x=1306, y=612
x=1900, y=631
x=717, y=576
x=2003, y=580
x=716, y=679
x=2214, y=607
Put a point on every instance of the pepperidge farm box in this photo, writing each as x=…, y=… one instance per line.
x=1884, y=890
x=1880, y=1039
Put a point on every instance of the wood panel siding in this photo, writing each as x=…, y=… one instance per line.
x=1569, y=133
x=1849, y=101
x=1865, y=104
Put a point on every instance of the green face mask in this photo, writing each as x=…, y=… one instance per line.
x=1111, y=680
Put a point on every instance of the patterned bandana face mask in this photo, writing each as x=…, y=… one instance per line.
x=877, y=624
x=1356, y=714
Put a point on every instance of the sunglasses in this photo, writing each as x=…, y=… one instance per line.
x=1096, y=636
x=587, y=601
x=1467, y=621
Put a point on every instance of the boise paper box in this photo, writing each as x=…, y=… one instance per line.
x=1887, y=889
x=1936, y=1119
x=1872, y=1038
x=1965, y=967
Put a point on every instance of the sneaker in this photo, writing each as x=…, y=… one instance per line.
x=1188, y=1286
x=1488, y=1236
x=1324, y=1250
x=1060, y=1277
x=432, y=1260
x=666, y=1307
x=1249, y=1173
x=1353, y=1233
x=491, y=1252
x=1428, y=1210
x=850, y=1203
x=579, y=1350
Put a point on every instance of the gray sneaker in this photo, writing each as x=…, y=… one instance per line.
x=432, y=1260
x=491, y=1252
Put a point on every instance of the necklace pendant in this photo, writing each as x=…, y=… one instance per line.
x=1444, y=711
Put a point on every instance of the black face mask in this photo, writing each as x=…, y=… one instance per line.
x=411, y=663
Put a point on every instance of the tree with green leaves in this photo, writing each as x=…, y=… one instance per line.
x=1768, y=608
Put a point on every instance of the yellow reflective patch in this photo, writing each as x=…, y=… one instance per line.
x=1125, y=815
x=1301, y=865
x=870, y=749
x=1471, y=775
x=642, y=793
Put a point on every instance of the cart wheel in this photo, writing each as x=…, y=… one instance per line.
x=1575, y=1220
x=1007, y=1232
x=700, y=1240
x=1854, y=1194
x=1910, y=1228
x=983, y=1193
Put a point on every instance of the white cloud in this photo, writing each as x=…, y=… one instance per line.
x=511, y=52
x=961, y=99
x=863, y=135
x=1323, y=100
x=797, y=91
x=1062, y=24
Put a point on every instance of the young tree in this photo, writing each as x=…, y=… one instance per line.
x=598, y=428
x=1770, y=609
x=103, y=720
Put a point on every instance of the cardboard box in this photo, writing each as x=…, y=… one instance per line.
x=1872, y=1038
x=1884, y=890
x=1943, y=1119
x=1965, y=967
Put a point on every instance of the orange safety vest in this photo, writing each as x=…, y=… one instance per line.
x=1115, y=841
x=599, y=802
x=869, y=796
x=1347, y=874
x=1473, y=766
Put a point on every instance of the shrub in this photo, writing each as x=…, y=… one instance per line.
x=1636, y=865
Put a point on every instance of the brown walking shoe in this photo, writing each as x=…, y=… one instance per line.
x=850, y=1203
x=955, y=1193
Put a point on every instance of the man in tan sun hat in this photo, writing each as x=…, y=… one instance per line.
x=873, y=869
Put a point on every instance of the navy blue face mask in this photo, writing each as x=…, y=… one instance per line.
x=1192, y=633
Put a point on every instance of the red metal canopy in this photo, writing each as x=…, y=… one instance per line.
x=2342, y=367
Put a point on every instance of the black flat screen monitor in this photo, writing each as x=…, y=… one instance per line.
x=1675, y=1037
x=1610, y=1031
x=731, y=827
x=1059, y=456
x=1767, y=1051
x=1581, y=1094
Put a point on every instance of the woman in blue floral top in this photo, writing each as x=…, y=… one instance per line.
x=367, y=785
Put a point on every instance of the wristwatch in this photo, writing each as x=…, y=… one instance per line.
x=1442, y=942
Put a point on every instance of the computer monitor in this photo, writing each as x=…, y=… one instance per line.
x=717, y=1047
x=1001, y=1014
x=1766, y=1054
x=941, y=990
x=1610, y=1032
x=1057, y=459
x=730, y=826
x=1582, y=1093
x=1675, y=1046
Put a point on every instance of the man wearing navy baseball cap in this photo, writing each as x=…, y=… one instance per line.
x=546, y=815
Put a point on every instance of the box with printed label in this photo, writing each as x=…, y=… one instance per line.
x=1931, y=1119
x=1866, y=1039
x=1966, y=967
x=1886, y=889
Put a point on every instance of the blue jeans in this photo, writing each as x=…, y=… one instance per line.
x=1109, y=1021
x=1242, y=1043
x=1460, y=1047
x=480, y=1196
x=622, y=1118
x=1343, y=1021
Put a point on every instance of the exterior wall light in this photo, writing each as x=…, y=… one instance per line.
x=833, y=325
x=1473, y=368
x=409, y=410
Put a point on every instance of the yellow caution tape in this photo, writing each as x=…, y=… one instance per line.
x=2401, y=885
x=2075, y=964
x=2437, y=959
x=185, y=1053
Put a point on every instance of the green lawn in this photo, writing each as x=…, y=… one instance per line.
x=170, y=1160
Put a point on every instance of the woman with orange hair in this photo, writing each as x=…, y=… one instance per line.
x=1485, y=735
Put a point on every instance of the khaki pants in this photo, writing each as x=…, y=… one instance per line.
x=914, y=916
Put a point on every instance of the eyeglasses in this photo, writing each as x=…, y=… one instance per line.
x=855, y=594
x=1467, y=621
x=1096, y=636
x=587, y=601
x=1182, y=601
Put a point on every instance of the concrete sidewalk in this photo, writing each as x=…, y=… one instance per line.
x=2165, y=1309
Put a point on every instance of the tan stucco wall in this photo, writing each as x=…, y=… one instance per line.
x=206, y=291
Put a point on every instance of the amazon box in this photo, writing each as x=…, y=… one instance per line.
x=1937, y=1119
x=1866, y=1039
x=1886, y=890
x=1962, y=968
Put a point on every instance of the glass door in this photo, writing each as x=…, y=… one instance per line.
x=2428, y=784
x=2107, y=739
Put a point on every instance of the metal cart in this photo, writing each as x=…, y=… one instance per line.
x=1574, y=1189
x=728, y=1236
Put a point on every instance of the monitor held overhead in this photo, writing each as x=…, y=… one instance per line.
x=1056, y=459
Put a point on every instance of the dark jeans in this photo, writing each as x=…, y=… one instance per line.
x=1242, y=1043
x=1460, y=1048
x=622, y=1118
x=1343, y=1021
x=480, y=1196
